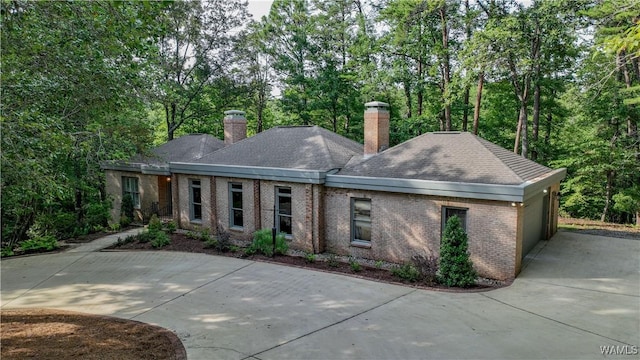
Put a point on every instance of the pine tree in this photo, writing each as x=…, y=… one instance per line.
x=455, y=268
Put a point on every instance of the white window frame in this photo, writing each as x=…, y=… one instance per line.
x=233, y=189
x=195, y=184
x=131, y=186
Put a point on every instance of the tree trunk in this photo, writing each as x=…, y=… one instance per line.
x=536, y=121
x=407, y=95
x=446, y=67
x=607, y=201
x=465, y=111
x=476, y=109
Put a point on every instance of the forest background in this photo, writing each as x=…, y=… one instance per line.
x=82, y=82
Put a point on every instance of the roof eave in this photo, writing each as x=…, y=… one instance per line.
x=120, y=166
x=250, y=172
x=511, y=193
x=538, y=186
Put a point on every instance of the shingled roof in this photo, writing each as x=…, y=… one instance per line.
x=448, y=156
x=288, y=147
x=184, y=148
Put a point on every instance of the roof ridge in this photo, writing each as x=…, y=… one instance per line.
x=485, y=144
x=319, y=129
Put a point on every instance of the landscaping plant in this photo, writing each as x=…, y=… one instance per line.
x=263, y=243
x=455, y=268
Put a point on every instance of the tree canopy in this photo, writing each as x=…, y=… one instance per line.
x=556, y=81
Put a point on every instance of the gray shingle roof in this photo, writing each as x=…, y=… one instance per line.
x=182, y=149
x=289, y=147
x=448, y=156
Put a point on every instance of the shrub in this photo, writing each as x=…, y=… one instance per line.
x=160, y=240
x=192, y=235
x=332, y=260
x=96, y=215
x=211, y=243
x=355, y=265
x=155, y=224
x=310, y=258
x=145, y=237
x=124, y=221
x=127, y=207
x=114, y=227
x=427, y=266
x=379, y=264
x=224, y=239
x=45, y=242
x=406, y=272
x=171, y=227
x=204, y=234
x=6, y=251
x=455, y=268
x=263, y=243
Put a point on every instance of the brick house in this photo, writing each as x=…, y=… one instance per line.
x=331, y=194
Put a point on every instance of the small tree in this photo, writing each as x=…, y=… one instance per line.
x=456, y=269
x=126, y=209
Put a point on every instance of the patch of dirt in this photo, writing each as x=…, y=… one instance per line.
x=180, y=242
x=57, y=334
x=600, y=228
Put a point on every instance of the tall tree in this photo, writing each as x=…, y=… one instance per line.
x=73, y=86
x=194, y=50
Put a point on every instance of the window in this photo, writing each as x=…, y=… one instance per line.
x=195, y=200
x=361, y=221
x=130, y=187
x=448, y=212
x=283, y=210
x=235, y=206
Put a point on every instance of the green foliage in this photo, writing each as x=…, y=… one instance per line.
x=155, y=224
x=6, y=251
x=160, y=239
x=127, y=207
x=332, y=260
x=39, y=243
x=455, y=267
x=407, y=272
x=114, y=227
x=379, y=264
x=171, y=227
x=427, y=266
x=354, y=264
x=263, y=243
x=310, y=257
x=124, y=221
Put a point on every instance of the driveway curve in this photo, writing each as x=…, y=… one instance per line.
x=578, y=297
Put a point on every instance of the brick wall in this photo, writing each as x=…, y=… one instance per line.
x=302, y=223
x=404, y=225
x=147, y=185
x=183, y=209
x=248, y=202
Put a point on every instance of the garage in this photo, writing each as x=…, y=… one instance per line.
x=534, y=222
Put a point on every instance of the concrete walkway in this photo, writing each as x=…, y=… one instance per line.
x=576, y=294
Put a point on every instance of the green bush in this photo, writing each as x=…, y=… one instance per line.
x=355, y=265
x=211, y=243
x=127, y=207
x=161, y=239
x=310, y=257
x=124, y=221
x=455, y=267
x=332, y=260
x=155, y=224
x=263, y=243
x=60, y=224
x=171, y=227
x=96, y=216
x=145, y=236
x=45, y=242
x=6, y=251
x=406, y=272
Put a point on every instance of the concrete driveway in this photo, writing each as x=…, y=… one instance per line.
x=577, y=294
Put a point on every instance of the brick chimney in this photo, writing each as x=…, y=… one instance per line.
x=376, y=127
x=235, y=126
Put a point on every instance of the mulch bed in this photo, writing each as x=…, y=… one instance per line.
x=57, y=334
x=180, y=242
